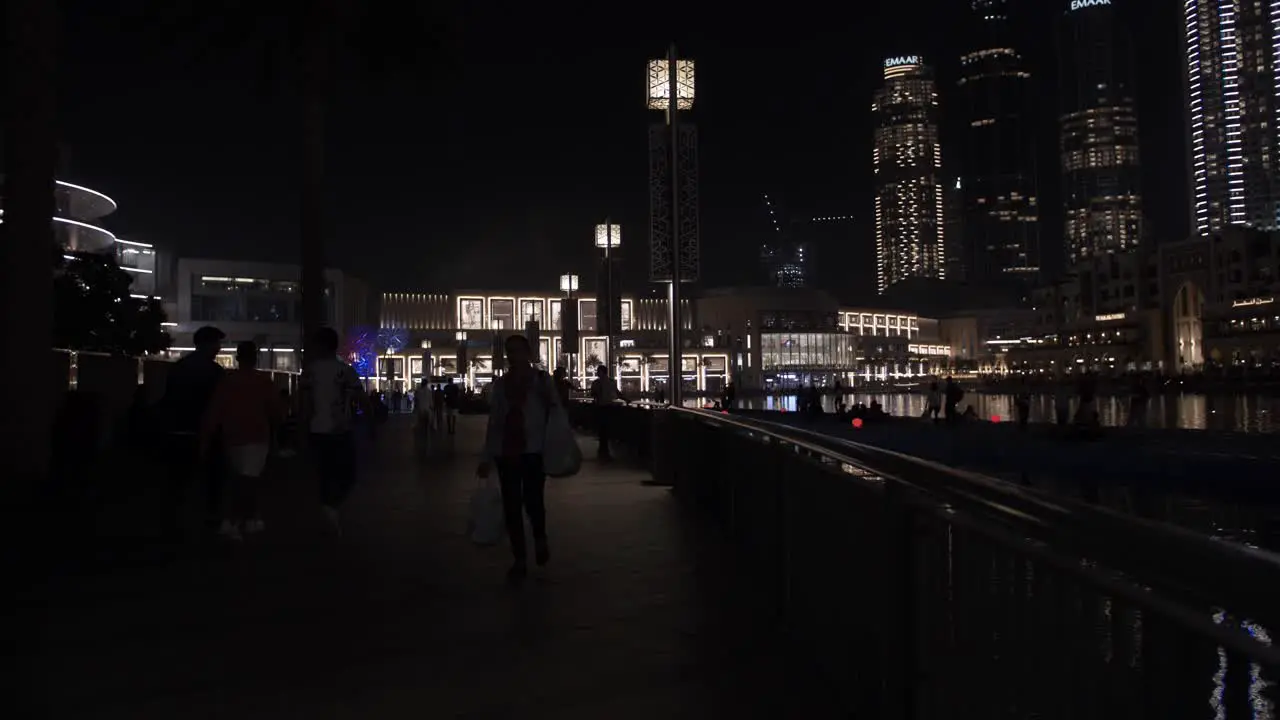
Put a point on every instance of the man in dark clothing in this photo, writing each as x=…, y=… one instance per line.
x=952, y=395
x=604, y=391
x=451, y=406
x=188, y=389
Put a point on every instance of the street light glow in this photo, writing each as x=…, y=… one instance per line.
x=660, y=85
x=609, y=236
x=568, y=283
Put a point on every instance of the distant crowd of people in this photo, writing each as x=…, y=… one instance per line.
x=223, y=427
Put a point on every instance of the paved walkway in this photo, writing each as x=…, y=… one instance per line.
x=638, y=616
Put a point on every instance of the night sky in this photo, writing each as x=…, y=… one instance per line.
x=478, y=147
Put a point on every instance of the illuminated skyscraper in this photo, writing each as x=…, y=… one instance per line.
x=908, y=168
x=956, y=259
x=1102, y=194
x=1001, y=218
x=1233, y=99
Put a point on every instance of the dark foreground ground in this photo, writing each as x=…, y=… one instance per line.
x=641, y=614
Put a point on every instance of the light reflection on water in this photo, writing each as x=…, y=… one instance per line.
x=1241, y=413
x=1263, y=708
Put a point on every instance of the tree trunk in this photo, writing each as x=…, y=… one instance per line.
x=315, y=95
x=26, y=242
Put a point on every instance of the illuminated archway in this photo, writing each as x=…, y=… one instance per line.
x=1188, y=327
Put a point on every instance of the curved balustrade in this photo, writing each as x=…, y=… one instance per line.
x=922, y=591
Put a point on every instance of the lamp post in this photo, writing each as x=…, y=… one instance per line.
x=569, y=319
x=671, y=88
x=608, y=236
x=460, y=359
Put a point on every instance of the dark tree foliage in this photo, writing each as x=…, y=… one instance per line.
x=93, y=309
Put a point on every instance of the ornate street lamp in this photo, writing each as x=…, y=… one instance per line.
x=608, y=237
x=671, y=88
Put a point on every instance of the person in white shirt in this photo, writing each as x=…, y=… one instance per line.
x=330, y=389
x=519, y=404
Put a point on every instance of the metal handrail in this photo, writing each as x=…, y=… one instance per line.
x=1241, y=579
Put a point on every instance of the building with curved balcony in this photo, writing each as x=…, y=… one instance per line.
x=78, y=227
x=77, y=216
x=78, y=212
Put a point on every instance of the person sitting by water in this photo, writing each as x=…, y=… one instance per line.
x=876, y=412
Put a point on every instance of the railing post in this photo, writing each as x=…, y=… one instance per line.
x=899, y=641
x=665, y=455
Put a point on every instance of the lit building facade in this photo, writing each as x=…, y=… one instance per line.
x=458, y=335
x=139, y=260
x=1208, y=301
x=78, y=227
x=1098, y=123
x=77, y=220
x=261, y=302
x=955, y=257
x=761, y=338
x=1233, y=106
x=907, y=161
x=784, y=339
x=1001, y=217
x=793, y=270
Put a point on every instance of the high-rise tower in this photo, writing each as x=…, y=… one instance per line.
x=908, y=168
x=1001, y=217
x=1101, y=191
x=1233, y=103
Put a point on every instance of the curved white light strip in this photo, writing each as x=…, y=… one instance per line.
x=134, y=243
x=91, y=191
x=86, y=225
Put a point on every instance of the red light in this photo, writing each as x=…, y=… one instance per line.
x=995, y=418
x=857, y=422
x=724, y=412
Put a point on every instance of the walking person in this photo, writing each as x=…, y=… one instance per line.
x=519, y=403
x=188, y=390
x=245, y=412
x=603, y=393
x=330, y=389
x=933, y=404
x=561, y=380
x=451, y=401
x=426, y=416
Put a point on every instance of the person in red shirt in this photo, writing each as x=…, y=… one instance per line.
x=243, y=413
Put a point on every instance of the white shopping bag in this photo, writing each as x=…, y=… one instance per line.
x=561, y=456
x=485, y=526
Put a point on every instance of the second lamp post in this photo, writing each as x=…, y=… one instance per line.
x=608, y=237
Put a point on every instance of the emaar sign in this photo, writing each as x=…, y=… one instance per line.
x=902, y=60
x=1082, y=4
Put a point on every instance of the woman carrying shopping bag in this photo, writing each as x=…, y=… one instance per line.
x=523, y=405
